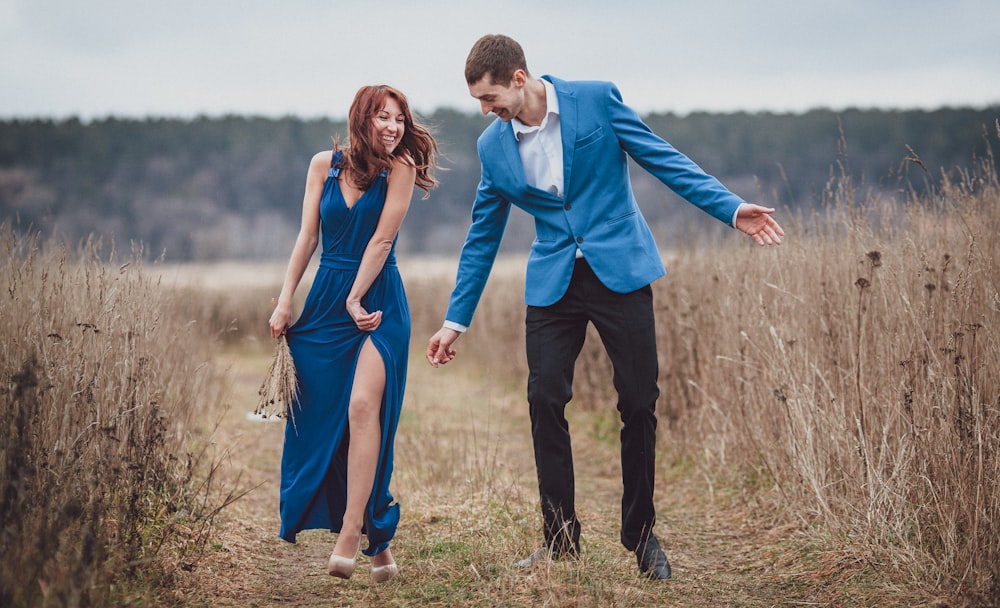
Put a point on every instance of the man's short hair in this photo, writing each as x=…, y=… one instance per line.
x=497, y=55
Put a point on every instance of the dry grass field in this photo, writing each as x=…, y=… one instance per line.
x=829, y=429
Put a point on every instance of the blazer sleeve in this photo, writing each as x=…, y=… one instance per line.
x=666, y=163
x=489, y=220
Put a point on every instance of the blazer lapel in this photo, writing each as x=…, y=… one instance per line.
x=567, y=125
x=511, y=155
x=508, y=143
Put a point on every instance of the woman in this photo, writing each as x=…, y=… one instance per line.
x=350, y=343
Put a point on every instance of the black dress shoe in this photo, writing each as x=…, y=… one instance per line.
x=652, y=561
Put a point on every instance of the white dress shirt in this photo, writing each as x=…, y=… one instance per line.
x=541, y=146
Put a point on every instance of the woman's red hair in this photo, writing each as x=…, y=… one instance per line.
x=366, y=157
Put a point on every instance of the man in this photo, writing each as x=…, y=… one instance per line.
x=558, y=151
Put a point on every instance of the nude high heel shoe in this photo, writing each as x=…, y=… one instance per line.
x=343, y=567
x=381, y=574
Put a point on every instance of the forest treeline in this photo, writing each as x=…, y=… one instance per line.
x=230, y=187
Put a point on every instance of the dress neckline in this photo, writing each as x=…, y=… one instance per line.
x=335, y=174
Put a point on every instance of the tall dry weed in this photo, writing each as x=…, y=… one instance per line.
x=99, y=496
x=855, y=370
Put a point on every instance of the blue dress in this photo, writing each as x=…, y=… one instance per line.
x=325, y=344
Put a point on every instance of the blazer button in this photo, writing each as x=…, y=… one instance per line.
x=567, y=206
x=579, y=239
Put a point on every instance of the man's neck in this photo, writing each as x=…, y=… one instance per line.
x=535, y=103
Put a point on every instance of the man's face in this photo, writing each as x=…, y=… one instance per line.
x=504, y=101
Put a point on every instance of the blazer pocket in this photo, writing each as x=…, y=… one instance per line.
x=590, y=138
x=622, y=218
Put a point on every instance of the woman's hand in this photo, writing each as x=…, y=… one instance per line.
x=366, y=321
x=281, y=318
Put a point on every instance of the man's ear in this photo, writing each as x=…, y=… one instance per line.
x=519, y=78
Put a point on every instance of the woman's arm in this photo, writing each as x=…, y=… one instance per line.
x=305, y=243
x=401, y=180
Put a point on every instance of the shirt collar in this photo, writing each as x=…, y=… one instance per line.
x=551, y=107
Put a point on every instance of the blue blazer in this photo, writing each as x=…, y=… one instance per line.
x=597, y=213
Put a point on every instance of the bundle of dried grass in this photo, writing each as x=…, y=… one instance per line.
x=280, y=388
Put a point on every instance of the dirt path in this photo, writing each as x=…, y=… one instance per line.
x=465, y=478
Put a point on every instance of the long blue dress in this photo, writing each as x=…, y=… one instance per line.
x=325, y=344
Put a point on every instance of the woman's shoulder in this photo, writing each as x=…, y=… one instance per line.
x=402, y=159
x=402, y=166
x=322, y=160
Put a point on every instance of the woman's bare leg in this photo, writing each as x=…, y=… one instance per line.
x=362, y=454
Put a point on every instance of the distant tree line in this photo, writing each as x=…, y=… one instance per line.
x=231, y=187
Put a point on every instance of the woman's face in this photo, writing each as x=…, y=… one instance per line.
x=389, y=124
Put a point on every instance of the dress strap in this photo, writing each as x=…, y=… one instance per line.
x=335, y=171
x=334, y=159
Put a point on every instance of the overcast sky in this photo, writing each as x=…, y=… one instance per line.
x=182, y=58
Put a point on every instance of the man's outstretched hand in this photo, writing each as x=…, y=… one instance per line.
x=757, y=222
x=439, y=350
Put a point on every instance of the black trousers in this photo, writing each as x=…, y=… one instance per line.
x=554, y=336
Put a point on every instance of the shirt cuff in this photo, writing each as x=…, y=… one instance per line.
x=732, y=221
x=456, y=326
